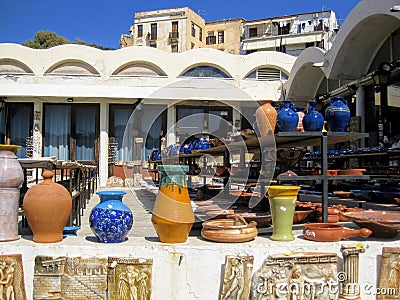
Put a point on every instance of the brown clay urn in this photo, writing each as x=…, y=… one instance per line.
x=47, y=207
x=324, y=232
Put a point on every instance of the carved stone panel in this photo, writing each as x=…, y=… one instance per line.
x=389, y=279
x=12, y=277
x=70, y=278
x=129, y=278
x=301, y=275
x=237, y=278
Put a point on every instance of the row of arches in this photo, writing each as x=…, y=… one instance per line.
x=137, y=68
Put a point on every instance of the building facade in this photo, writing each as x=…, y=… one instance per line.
x=181, y=29
x=75, y=101
x=290, y=34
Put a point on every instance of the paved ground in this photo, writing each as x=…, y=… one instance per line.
x=142, y=226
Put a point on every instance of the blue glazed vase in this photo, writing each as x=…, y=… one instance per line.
x=111, y=220
x=313, y=120
x=287, y=119
x=337, y=114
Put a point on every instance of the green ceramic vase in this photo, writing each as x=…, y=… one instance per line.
x=282, y=201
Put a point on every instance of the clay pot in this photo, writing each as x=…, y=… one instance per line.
x=332, y=172
x=111, y=220
x=234, y=230
x=266, y=118
x=173, y=215
x=262, y=219
x=333, y=214
x=323, y=232
x=47, y=207
x=11, y=179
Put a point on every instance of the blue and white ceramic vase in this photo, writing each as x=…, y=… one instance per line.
x=111, y=220
x=313, y=120
x=287, y=118
x=337, y=114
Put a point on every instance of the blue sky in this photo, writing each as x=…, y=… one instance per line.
x=102, y=22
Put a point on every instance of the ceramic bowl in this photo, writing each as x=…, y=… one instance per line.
x=353, y=172
x=233, y=230
x=300, y=215
x=343, y=194
x=383, y=223
x=332, y=172
x=262, y=219
x=323, y=232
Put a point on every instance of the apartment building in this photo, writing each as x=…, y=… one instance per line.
x=290, y=34
x=171, y=30
x=181, y=29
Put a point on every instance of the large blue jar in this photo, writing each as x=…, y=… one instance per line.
x=313, y=120
x=111, y=220
x=337, y=114
x=287, y=119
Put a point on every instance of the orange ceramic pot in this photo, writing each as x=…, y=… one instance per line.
x=47, y=207
x=173, y=215
x=266, y=118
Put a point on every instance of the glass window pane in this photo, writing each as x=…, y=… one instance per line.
x=18, y=118
x=85, y=122
x=57, y=130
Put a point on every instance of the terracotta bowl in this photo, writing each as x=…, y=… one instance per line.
x=343, y=194
x=397, y=200
x=332, y=172
x=354, y=172
x=300, y=215
x=235, y=230
x=383, y=223
x=342, y=218
x=323, y=232
x=262, y=219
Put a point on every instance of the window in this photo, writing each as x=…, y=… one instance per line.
x=16, y=125
x=200, y=34
x=140, y=31
x=174, y=48
x=211, y=39
x=174, y=26
x=220, y=37
x=269, y=74
x=253, y=32
x=71, y=131
x=192, y=45
x=153, y=34
x=193, y=30
x=205, y=71
x=311, y=44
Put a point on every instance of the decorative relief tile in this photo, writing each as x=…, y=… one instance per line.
x=389, y=279
x=12, y=286
x=308, y=275
x=129, y=278
x=70, y=278
x=237, y=277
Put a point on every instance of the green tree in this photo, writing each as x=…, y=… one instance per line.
x=46, y=39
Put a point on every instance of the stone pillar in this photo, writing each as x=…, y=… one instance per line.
x=349, y=287
x=103, y=151
x=360, y=111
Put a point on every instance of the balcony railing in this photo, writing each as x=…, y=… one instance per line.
x=173, y=35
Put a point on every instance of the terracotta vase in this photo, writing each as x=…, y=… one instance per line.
x=47, y=207
x=266, y=118
x=172, y=214
x=282, y=200
x=11, y=179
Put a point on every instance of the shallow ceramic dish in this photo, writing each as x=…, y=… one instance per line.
x=233, y=230
x=332, y=172
x=352, y=172
x=383, y=223
x=262, y=219
x=323, y=232
x=343, y=194
x=300, y=215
